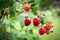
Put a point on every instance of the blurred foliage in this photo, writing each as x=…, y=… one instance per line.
x=13, y=29
x=12, y=25
x=6, y=3
x=45, y=4
x=34, y=5
x=13, y=10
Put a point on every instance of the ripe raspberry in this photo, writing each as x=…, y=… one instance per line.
x=42, y=31
x=27, y=7
x=27, y=22
x=48, y=26
x=36, y=21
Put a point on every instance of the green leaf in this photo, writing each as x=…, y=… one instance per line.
x=6, y=3
x=13, y=10
x=43, y=20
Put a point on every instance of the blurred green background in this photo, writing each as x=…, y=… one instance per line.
x=56, y=34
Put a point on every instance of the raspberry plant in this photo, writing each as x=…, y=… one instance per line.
x=19, y=21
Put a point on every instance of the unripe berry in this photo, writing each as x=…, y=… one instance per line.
x=17, y=11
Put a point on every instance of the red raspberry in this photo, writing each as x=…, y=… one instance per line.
x=42, y=31
x=27, y=7
x=36, y=21
x=27, y=22
x=48, y=26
